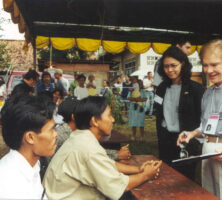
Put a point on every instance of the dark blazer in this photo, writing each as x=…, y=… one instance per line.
x=189, y=105
x=22, y=89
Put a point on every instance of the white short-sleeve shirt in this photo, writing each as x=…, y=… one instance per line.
x=147, y=82
x=81, y=93
x=18, y=179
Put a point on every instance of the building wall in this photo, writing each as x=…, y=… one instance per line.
x=100, y=71
x=149, y=59
x=125, y=59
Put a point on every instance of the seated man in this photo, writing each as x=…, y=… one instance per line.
x=28, y=130
x=67, y=110
x=81, y=168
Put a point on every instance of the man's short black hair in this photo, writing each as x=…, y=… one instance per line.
x=31, y=74
x=45, y=74
x=28, y=113
x=181, y=41
x=107, y=83
x=81, y=76
x=58, y=90
x=92, y=106
x=67, y=108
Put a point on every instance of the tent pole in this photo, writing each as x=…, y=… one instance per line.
x=50, y=55
x=34, y=53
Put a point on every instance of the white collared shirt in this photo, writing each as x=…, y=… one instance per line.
x=211, y=103
x=81, y=93
x=18, y=179
x=147, y=82
x=119, y=85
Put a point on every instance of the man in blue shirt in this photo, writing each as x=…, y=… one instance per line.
x=45, y=85
x=126, y=89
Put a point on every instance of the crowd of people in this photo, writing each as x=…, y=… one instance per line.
x=56, y=129
x=81, y=168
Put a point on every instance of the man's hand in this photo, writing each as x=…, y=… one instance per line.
x=141, y=168
x=151, y=169
x=124, y=153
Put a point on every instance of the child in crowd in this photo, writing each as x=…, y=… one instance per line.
x=91, y=87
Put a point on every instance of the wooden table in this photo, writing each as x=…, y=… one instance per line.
x=171, y=185
x=115, y=140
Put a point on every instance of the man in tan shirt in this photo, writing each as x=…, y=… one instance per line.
x=81, y=168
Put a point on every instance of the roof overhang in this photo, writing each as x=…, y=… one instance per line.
x=124, y=20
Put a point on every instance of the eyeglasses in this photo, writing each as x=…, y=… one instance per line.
x=173, y=66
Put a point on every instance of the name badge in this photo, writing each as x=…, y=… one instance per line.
x=158, y=99
x=211, y=125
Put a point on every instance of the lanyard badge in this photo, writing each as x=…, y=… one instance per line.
x=212, y=122
x=211, y=125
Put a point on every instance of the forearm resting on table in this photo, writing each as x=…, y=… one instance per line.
x=135, y=180
x=127, y=169
x=149, y=170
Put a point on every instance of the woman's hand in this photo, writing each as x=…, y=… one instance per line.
x=184, y=136
x=219, y=158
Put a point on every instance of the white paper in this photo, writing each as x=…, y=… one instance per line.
x=158, y=99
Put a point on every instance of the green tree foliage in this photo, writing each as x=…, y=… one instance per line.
x=116, y=107
x=4, y=55
x=66, y=55
x=4, y=51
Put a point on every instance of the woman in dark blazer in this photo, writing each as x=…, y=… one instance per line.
x=178, y=107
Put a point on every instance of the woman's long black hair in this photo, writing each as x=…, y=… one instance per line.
x=176, y=53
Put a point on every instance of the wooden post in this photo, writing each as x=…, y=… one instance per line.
x=34, y=53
